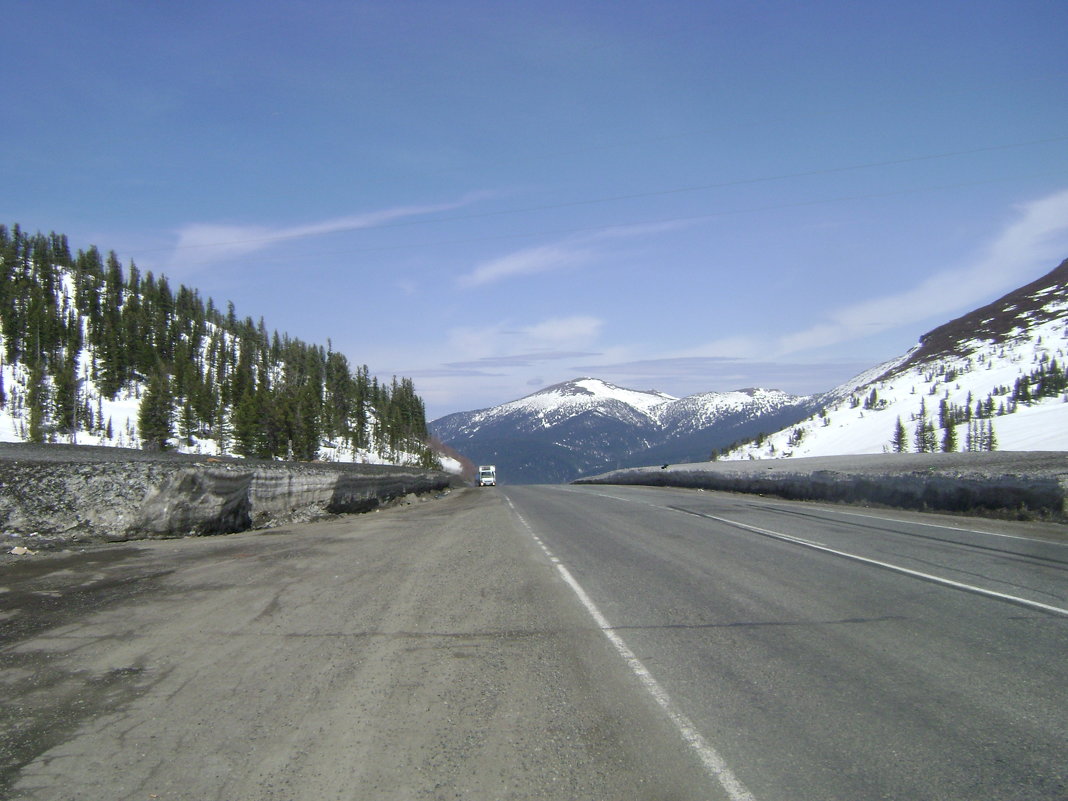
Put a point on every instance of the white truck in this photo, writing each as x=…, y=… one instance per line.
x=487, y=475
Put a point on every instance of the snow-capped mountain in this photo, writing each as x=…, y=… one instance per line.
x=697, y=425
x=994, y=377
x=698, y=412
x=556, y=405
x=588, y=425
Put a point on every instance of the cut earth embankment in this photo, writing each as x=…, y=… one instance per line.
x=58, y=494
x=1017, y=484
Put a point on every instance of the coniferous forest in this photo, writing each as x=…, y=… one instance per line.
x=81, y=332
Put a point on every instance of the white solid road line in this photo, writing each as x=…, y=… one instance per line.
x=959, y=585
x=884, y=518
x=713, y=763
x=1001, y=596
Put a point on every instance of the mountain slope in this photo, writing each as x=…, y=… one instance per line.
x=697, y=425
x=95, y=354
x=998, y=368
x=1005, y=320
x=588, y=425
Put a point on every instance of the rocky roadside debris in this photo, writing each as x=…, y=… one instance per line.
x=52, y=495
x=1024, y=485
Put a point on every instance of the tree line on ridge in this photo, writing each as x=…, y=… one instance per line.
x=81, y=329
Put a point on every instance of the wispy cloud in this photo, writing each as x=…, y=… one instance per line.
x=555, y=337
x=503, y=357
x=1036, y=240
x=570, y=252
x=564, y=330
x=521, y=359
x=208, y=243
x=499, y=365
x=526, y=262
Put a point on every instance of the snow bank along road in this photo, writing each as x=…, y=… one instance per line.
x=546, y=642
x=1006, y=483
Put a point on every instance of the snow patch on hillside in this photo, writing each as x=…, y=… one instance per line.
x=115, y=420
x=644, y=401
x=695, y=412
x=845, y=426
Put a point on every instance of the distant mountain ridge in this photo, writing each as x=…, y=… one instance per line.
x=588, y=425
x=990, y=379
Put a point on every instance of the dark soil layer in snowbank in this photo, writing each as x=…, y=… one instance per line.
x=62, y=493
x=1031, y=484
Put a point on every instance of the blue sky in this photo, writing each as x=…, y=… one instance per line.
x=491, y=197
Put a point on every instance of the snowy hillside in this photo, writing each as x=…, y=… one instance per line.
x=695, y=412
x=116, y=422
x=117, y=419
x=999, y=369
x=95, y=354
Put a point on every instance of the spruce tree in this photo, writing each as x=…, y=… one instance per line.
x=949, y=438
x=187, y=424
x=65, y=397
x=306, y=434
x=37, y=402
x=924, y=438
x=154, y=417
x=246, y=425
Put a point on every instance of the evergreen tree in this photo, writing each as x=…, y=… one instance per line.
x=36, y=403
x=247, y=430
x=157, y=407
x=306, y=433
x=900, y=440
x=949, y=438
x=924, y=438
x=65, y=397
x=187, y=424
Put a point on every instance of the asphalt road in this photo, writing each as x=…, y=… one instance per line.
x=827, y=652
x=545, y=642
x=425, y=652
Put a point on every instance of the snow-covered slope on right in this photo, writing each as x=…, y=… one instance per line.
x=992, y=379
